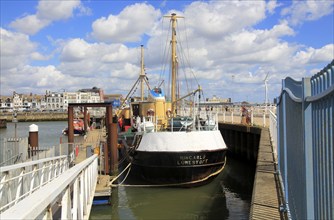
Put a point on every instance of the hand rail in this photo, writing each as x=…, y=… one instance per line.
x=20, y=180
x=75, y=187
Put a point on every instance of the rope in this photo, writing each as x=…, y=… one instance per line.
x=110, y=184
x=126, y=176
x=166, y=185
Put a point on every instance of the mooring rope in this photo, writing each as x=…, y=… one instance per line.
x=162, y=185
x=110, y=184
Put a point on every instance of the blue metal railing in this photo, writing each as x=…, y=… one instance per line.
x=305, y=145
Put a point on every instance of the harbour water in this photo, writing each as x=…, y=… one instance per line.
x=227, y=197
x=49, y=133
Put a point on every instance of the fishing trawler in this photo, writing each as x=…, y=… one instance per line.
x=169, y=145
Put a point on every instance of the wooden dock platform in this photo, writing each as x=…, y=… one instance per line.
x=267, y=193
x=92, y=141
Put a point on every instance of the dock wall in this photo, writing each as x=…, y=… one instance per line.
x=35, y=116
x=242, y=141
x=253, y=144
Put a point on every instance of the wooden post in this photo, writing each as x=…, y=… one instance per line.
x=70, y=129
x=114, y=149
x=109, y=139
x=85, y=119
x=106, y=156
x=33, y=139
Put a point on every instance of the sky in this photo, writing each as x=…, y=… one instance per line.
x=228, y=47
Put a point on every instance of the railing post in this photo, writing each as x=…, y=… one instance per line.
x=66, y=204
x=285, y=150
x=70, y=129
x=308, y=146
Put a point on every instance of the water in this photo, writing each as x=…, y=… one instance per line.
x=49, y=133
x=227, y=197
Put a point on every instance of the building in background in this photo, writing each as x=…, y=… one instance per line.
x=51, y=101
x=54, y=101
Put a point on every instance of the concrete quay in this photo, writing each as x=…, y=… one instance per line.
x=35, y=116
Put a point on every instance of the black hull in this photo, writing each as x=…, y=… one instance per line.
x=181, y=169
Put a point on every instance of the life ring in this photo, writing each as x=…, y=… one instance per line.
x=150, y=112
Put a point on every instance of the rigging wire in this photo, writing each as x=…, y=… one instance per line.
x=183, y=58
x=165, y=51
x=188, y=55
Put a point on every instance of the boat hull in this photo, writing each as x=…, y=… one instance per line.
x=75, y=132
x=178, y=168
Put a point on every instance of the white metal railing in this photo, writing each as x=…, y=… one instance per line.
x=74, y=189
x=258, y=114
x=273, y=131
x=20, y=180
x=236, y=118
x=13, y=150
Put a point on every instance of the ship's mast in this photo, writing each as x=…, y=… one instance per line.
x=174, y=60
x=173, y=17
x=173, y=92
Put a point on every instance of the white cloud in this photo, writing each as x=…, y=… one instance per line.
x=80, y=58
x=56, y=10
x=217, y=18
x=29, y=24
x=16, y=49
x=129, y=26
x=39, y=56
x=47, y=12
x=37, y=79
x=84, y=11
x=312, y=55
x=75, y=50
x=309, y=10
x=271, y=6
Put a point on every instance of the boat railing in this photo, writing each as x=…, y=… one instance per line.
x=20, y=180
x=158, y=122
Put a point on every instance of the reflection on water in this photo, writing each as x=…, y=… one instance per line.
x=227, y=197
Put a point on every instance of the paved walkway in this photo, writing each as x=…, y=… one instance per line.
x=267, y=193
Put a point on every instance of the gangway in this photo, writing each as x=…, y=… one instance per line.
x=70, y=195
x=20, y=180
